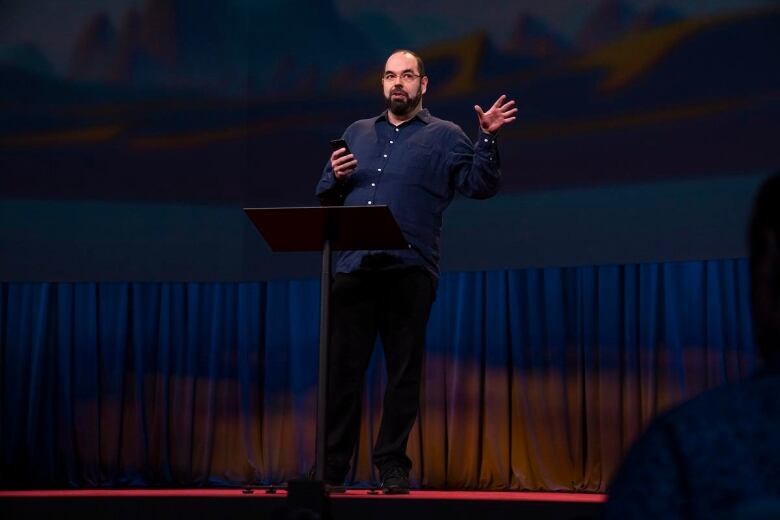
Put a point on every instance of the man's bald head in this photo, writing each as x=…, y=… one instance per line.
x=420, y=65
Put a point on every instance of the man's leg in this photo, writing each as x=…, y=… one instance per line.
x=402, y=319
x=353, y=334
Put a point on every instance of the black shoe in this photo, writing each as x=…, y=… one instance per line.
x=334, y=480
x=395, y=480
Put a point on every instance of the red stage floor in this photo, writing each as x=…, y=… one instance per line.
x=352, y=493
x=235, y=503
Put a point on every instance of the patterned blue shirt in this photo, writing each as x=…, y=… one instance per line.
x=414, y=168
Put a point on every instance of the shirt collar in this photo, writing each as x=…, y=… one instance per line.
x=423, y=115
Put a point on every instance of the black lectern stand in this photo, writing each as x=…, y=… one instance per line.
x=325, y=229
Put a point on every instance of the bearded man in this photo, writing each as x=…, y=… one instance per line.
x=414, y=163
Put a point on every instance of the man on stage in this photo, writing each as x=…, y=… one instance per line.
x=412, y=162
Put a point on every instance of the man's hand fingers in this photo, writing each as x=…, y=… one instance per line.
x=337, y=153
x=510, y=112
x=509, y=119
x=342, y=170
x=499, y=101
x=479, y=110
x=508, y=105
x=342, y=160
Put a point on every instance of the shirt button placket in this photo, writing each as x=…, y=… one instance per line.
x=379, y=172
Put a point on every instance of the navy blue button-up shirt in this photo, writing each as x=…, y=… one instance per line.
x=414, y=168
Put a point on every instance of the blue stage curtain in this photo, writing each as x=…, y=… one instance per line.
x=533, y=379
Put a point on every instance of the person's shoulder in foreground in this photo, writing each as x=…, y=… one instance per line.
x=717, y=456
x=705, y=458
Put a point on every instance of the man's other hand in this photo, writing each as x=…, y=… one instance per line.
x=499, y=114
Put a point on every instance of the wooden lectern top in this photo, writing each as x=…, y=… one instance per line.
x=348, y=228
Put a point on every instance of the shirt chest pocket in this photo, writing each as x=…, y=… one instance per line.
x=419, y=168
x=416, y=157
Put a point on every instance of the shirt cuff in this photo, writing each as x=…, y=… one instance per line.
x=487, y=146
x=486, y=140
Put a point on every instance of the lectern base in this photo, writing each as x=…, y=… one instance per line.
x=307, y=499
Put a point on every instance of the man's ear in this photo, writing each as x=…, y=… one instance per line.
x=424, y=84
x=765, y=293
x=771, y=267
x=766, y=268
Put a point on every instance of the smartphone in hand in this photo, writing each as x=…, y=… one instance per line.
x=340, y=143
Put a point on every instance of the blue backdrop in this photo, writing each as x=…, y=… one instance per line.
x=533, y=379
x=149, y=337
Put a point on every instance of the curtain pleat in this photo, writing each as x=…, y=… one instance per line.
x=533, y=379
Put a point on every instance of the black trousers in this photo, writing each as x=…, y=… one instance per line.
x=395, y=304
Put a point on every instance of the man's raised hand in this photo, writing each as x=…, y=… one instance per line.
x=497, y=116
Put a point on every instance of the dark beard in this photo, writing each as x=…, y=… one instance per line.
x=402, y=107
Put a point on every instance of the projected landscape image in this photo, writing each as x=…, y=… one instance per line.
x=231, y=104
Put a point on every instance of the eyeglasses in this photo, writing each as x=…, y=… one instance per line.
x=406, y=77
